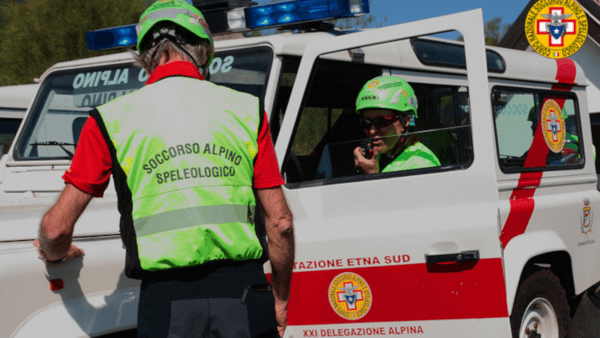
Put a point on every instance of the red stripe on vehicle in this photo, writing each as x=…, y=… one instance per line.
x=406, y=293
x=522, y=202
x=566, y=71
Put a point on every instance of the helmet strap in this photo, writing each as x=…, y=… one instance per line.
x=402, y=118
x=170, y=34
x=404, y=126
x=398, y=147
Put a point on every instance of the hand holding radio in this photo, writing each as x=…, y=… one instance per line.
x=365, y=158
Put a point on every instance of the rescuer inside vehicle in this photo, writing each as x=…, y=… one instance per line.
x=388, y=105
x=186, y=156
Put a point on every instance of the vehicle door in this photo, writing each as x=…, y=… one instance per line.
x=405, y=252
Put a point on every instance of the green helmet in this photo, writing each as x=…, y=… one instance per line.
x=388, y=92
x=178, y=12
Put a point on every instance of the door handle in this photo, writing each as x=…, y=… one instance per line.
x=463, y=256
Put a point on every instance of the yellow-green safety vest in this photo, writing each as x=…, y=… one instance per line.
x=184, y=152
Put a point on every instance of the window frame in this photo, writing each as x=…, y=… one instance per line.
x=380, y=175
x=30, y=123
x=420, y=44
x=542, y=93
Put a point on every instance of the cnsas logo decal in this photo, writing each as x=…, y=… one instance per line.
x=350, y=296
x=556, y=28
x=373, y=84
x=553, y=126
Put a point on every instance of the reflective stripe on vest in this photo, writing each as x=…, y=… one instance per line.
x=189, y=168
x=192, y=216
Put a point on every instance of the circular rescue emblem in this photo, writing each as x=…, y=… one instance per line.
x=373, y=84
x=350, y=296
x=553, y=126
x=556, y=29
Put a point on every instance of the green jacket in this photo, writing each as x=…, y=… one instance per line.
x=417, y=156
x=183, y=152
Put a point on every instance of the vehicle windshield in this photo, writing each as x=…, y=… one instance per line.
x=67, y=97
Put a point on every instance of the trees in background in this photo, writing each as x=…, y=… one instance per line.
x=493, y=30
x=35, y=34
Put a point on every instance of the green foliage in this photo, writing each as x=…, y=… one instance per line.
x=3, y=4
x=312, y=128
x=39, y=33
x=493, y=31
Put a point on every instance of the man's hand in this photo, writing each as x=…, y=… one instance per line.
x=281, y=316
x=56, y=230
x=72, y=253
x=365, y=165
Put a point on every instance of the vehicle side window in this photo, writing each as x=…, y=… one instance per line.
x=328, y=129
x=8, y=129
x=536, y=130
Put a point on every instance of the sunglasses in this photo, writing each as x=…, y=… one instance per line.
x=379, y=122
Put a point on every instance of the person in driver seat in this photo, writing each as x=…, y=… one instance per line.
x=388, y=107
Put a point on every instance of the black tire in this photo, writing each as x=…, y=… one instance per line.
x=539, y=298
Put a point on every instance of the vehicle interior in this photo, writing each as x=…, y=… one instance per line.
x=328, y=130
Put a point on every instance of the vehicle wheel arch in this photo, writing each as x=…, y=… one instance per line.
x=531, y=252
x=559, y=263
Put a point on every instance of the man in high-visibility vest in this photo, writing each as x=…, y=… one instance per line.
x=188, y=158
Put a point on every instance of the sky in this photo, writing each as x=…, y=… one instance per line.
x=401, y=11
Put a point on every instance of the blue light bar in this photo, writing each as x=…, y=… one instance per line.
x=111, y=38
x=285, y=13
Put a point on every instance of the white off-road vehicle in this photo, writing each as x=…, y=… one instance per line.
x=498, y=240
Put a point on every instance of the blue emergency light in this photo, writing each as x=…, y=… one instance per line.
x=111, y=38
x=299, y=11
x=244, y=19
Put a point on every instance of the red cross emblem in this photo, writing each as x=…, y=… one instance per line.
x=350, y=295
x=543, y=27
x=553, y=125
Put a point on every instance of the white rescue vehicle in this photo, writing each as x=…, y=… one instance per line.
x=499, y=240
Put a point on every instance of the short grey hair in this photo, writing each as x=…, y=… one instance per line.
x=200, y=52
